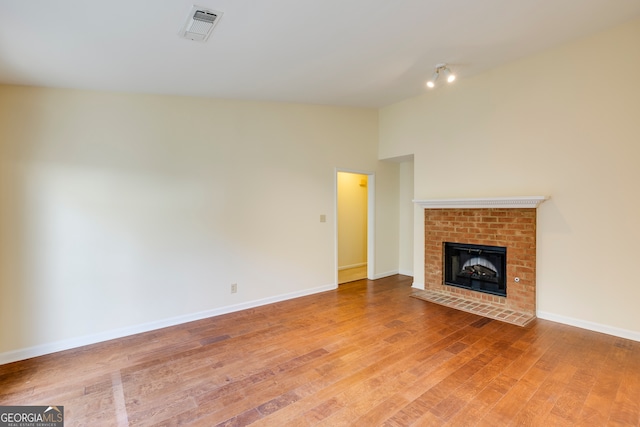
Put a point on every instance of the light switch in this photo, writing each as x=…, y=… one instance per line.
x=323, y=218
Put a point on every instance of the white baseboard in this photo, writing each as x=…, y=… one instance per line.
x=346, y=267
x=417, y=285
x=591, y=326
x=42, y=349
x=386, y=274
x=39, y=350
x=406, y=272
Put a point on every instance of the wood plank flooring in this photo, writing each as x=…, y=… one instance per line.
x=365, y=355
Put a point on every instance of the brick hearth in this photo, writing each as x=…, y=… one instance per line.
x=513, y=228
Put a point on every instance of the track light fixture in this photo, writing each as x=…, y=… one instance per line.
x=441, y=69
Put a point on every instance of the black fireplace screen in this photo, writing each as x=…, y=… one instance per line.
x=476, y=267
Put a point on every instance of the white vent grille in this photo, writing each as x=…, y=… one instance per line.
x=200, y=24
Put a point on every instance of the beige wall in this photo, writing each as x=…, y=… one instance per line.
x=352, y=220
x=564, y=123
x=121, y=213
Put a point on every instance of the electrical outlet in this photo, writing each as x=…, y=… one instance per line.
x=234, y=288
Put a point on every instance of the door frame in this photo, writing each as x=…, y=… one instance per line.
x=371, y=203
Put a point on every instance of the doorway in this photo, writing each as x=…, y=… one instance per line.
x=354, y=207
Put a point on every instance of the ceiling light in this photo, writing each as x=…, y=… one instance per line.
x=441, y=68
x=432, y=83
x=450, y=76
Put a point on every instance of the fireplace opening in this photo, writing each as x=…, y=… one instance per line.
x=476, y=267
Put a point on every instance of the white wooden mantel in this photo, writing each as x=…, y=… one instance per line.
x=484, y=202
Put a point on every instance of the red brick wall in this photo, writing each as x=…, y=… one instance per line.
x=514, y=229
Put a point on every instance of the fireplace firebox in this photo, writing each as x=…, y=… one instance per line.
x=476, y=267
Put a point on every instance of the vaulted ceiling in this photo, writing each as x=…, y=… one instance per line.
x=343, y=52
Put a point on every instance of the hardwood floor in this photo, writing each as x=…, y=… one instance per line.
x=365, y=355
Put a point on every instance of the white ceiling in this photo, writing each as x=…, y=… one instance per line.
x=342, y=52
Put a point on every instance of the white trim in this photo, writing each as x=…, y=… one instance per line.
x=417, y=285
x=405, y=272
x=385, y=274
x=42, y=349
x=591, y=326
x=371, y=225
x=485, y=202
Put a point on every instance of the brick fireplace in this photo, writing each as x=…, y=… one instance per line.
x=504, y=222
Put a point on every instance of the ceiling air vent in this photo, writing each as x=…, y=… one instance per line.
x=200, y=24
